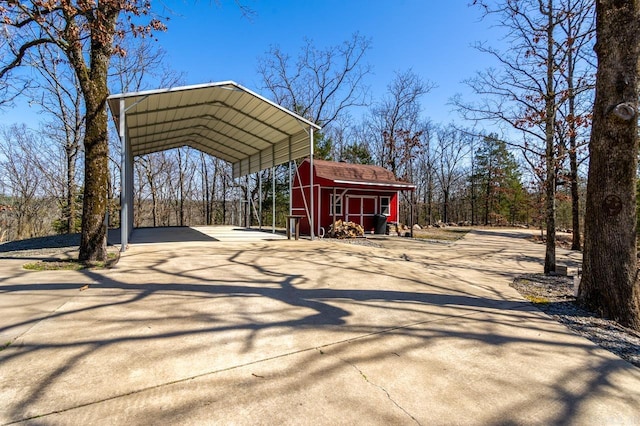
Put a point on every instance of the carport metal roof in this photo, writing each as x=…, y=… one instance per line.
x=223, y=119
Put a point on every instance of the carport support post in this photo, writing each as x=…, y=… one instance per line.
x=311, y=192
x=260, y=200
x=126, y=181
x=290, y=181
x=273, y=200
x=273, y=189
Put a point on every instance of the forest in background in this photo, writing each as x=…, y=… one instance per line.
x=538, y=106
x=485, y=185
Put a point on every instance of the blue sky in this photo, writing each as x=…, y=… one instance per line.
x=432, y=37
x=213, y=41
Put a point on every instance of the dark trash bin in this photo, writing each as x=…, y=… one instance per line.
x=379, y=224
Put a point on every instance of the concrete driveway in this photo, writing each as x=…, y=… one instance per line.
x=301, y=332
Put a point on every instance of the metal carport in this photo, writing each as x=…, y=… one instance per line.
x=223, y=119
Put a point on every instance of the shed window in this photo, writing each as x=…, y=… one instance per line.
x=385, y=203
x=337, y=201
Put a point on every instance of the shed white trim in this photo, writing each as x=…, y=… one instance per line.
x=390, y=185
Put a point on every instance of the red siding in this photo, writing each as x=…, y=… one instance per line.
x=360, y=202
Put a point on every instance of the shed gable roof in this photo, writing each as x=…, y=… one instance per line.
x=356, y=173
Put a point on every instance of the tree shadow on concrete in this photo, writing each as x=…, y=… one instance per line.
x=419, y=318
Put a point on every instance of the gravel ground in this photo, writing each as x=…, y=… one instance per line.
x=553, y=295
x=357, y=242
x=378, y=241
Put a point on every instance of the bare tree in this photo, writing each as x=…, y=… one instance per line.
x=392, y=132
x=59, y=95
x=578, y=71
x=524, y=94
x=320, y=84
x=10, y=88
x=395, y=120
x=152, y=165
x=452, y=148
x=23, y=179
x=184, y=189
x=215, y=176
x=85, y=32
x=144, y=66
x=424, y=172
x=610, y=282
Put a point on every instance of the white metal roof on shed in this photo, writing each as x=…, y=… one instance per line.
x=222, y=119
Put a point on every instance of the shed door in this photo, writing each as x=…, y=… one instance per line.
x=361, y=209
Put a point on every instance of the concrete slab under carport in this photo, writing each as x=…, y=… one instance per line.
x=310, y=332
x=230, y=234
x=186, y=234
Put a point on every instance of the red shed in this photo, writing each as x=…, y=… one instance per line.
x=359, y=192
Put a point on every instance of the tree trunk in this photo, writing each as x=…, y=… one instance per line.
x=93, y=81
x=550, y=179
x=424, y=208
x=137, y=198
x=473, y=186
x=93, y=242
x=224, y=198
x=154, y=201
x=610, y=285
x=445, y=207
x=550, y=214
x=205, y=189
x=430, y=199
x=71, y=192
x=575, y=196
x=147, y=164
x=487, y=198
x=473, y=202
x=212, y=195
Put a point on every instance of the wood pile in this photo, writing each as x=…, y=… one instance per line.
x=341, y=229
